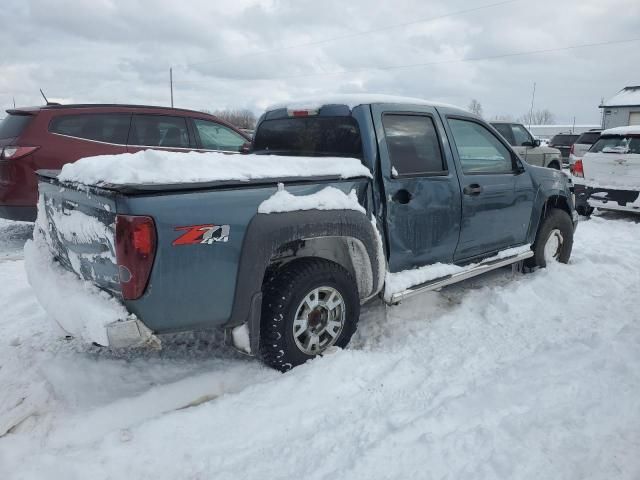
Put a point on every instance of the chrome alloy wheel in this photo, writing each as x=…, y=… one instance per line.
x=553, y=247
x=319, y=320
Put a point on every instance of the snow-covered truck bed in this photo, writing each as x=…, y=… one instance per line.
x=342, y=201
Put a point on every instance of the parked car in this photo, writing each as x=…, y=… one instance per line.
x=563, y=142
x=583, y=144
x=608, y=175
x=49, y=137
x=376, y=197
x=527, y=146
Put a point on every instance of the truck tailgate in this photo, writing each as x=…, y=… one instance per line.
x=79, y=226
x=612, y=170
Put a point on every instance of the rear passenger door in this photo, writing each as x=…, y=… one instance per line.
x=164, y=132
x=497, y=192
x=420, y=185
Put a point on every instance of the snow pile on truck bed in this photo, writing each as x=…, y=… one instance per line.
x=161, y=167
x=329, y=198
x=78, y=307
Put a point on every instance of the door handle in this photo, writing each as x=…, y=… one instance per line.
x=473, y=189
x=402, y=196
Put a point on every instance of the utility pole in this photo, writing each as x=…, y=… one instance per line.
x=14, y=102
x=171, y=84
x=533, y=96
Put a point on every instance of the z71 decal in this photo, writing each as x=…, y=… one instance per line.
x=207, y=234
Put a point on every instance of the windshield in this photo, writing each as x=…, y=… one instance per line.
x=588, y=138
x=617, y=144
x=564, y=140
x=13, y=125
x=309, y=136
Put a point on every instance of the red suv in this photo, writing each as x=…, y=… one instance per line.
x=50, y=136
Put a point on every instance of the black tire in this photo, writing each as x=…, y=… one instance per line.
x=554, y=165
x=555, y=220
x=584, y=210
x=283, y=294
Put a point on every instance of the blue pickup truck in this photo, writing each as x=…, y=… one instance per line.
x=284, y=262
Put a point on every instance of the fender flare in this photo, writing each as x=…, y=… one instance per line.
x=267, y=233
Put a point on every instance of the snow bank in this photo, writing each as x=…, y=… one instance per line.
x=329, y=198
x=401, y=281
x=80, y=308
x=157, y=167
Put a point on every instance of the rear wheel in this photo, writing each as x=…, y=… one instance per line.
x=554, y=240
x=308, y=307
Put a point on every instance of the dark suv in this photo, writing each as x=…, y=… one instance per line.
x=50, y=136
x=563, y=142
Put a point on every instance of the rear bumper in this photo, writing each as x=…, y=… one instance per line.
x=24, y=214
x=613, y=199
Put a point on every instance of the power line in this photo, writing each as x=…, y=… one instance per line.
x=353, y=34
x=439, y=62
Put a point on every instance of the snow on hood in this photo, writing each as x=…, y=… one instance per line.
x=158, y=167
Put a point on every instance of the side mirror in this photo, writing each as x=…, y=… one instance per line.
x=533, y=143
x=245, y=148
x=536, y=142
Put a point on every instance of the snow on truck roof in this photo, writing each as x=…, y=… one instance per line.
x=628, y=130
x=353, y=100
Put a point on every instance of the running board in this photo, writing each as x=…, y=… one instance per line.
x=479, y=269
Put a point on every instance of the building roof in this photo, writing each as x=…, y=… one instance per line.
x=627, y=97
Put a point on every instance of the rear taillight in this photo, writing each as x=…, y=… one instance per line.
x=135, y=252
x=14, y=151
x=577, y=170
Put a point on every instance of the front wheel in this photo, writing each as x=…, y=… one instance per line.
x=307, y=307
x=554, y=240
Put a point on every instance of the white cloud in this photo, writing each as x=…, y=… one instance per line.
x=120, y=51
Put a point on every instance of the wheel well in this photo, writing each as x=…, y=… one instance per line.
x=555, y=164
x=556, y=201
x=348, y=252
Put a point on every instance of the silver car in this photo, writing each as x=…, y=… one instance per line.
x=527, y=146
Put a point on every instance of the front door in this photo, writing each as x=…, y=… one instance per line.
x=420, y=184
x=497, y=192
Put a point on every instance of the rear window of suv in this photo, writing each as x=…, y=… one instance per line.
x=310, y=136
x=13, y=125
x=564, y=140
x=588, y=138
x=101, y=127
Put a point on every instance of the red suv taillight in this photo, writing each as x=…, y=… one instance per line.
x=135, y=252
x=15, y=151
x=577, y=170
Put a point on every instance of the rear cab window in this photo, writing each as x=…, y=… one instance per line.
x=100, y=127
x=13, y=125
x=309, y=136
x=413, y=143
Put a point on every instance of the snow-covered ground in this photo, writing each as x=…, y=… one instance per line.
x=506, y=376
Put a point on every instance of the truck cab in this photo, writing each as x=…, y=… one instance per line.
x=342, y=201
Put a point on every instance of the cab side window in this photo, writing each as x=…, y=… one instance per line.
x=505, y=131
x=159, y=131
x=100, y=127
x=479, y=150
x=413, y=145
x=521, y=135
x=214, y=136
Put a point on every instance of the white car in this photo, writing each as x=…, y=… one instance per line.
x=610, y=171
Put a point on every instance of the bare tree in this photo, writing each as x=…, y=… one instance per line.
x=240, y=118
x=475, y=107
x=539, y=117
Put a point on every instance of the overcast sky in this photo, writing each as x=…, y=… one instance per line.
x=238, y=53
